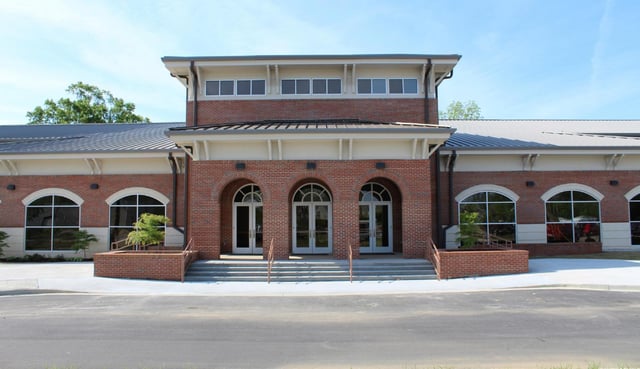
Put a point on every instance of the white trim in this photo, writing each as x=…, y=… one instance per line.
x=632, y=193
x=572, y=187
x=487, y=188
x=137, y=191
x=52, y=191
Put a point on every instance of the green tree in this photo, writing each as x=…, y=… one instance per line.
x=3, y=242
x=148, y=230
x=460, y=110
x=81, y=241
x=89, y=104
x=469, y=231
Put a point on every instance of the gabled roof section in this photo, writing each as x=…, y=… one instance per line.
x=86, y=138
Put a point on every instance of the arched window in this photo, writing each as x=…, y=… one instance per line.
x=312, y=229
x=51, y=223
x=126, y=210
x=247, y=220
x=634, y=219
x=496, y=213
x=573, y=216
x=375, y=220
x=248, y=194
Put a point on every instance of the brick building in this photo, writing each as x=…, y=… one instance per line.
x=316, y=153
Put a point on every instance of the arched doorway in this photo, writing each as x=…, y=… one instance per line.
x=376, y=219
x=247, y=220
x=312, y=224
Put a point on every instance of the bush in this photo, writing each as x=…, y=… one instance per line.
x=3, y=242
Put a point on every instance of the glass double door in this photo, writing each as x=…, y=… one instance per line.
x=247, y=229
x=375, y=228
x=312, y=228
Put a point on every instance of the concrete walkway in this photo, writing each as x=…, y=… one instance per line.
x=620, y=275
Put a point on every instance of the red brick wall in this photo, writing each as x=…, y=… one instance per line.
x=140, y=265
x=214, y=182
x=530, y=208
x=392, y=110
x=94, y=211
x=457, y=264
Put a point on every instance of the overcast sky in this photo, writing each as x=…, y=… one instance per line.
x=521, y=59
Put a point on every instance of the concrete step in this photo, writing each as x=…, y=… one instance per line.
x=309, y=270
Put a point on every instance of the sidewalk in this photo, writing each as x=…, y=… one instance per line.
x=620, y=275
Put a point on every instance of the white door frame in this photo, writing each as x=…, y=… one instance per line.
x=371, y=247
x=252, y=248
x=312, y=249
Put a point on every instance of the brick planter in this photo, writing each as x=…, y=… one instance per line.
x=468, y=263
x=163, y=265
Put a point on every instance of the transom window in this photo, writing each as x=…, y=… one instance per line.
x=573, y=216
x=374, y=192
x=248, y=194
x=316, y=86
x=51, y=223
x=634, y=218
x=312, y=193
x=395, y=85
x=125, y=211
x=496, y=213
x=233, y=87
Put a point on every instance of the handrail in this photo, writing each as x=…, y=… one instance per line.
x=120, y=245
x=434, y=256
x=350, y=264
x=269, y=261
x=499, y=242
x=188, y=248
x=187, y=258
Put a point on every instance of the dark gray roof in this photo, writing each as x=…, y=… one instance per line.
x=468, y=141
x=308, y=126
x=90, y=138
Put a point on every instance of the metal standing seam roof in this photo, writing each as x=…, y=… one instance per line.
x=543, y=134
x=86, y=138
x=308, y=126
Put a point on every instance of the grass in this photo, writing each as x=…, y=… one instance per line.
x=620, y=255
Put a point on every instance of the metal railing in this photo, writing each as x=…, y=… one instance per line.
x=270, y=259
x=350, y=263
x=498, y=242
x=434, y=257
x=120, y=245
x=188, y=257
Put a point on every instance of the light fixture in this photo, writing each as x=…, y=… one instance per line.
x=530, y=183
x=11, y=187
x=614, y=182
x=380, y=165
x=241, y=166
x=94, y=186
x=311, y=165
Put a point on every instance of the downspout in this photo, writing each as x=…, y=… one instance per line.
x=174, y=175
x=426, y=91
x=452, y=162
x=185, y=202
x=437, y=207
x=195, y=93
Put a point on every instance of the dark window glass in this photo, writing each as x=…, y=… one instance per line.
x=146, y=200
x=47, y=200
x=559, y=212
x=319, y=86
x=38, y=239
x=129, y=200
x=588, y=211
x=502, y=212
x=581, y=196
x=39, y=216
x=288, y=86
x=258, y=87
x=226, y=88
x=66, y=217
x=334, y=86
x=302, y=86
x=477, y=197
x=494, y=196
x=63, y=238
x=123, y=216
x=395, y=86
x=634, y=211
x=558, y=232
x=506, y=231
x=635, y=233
x=212, y=88
x=364, y=86
x=579, y=214
x=244, y=87
x=562, y=196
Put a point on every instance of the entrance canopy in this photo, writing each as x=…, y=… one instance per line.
x=331, y=139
